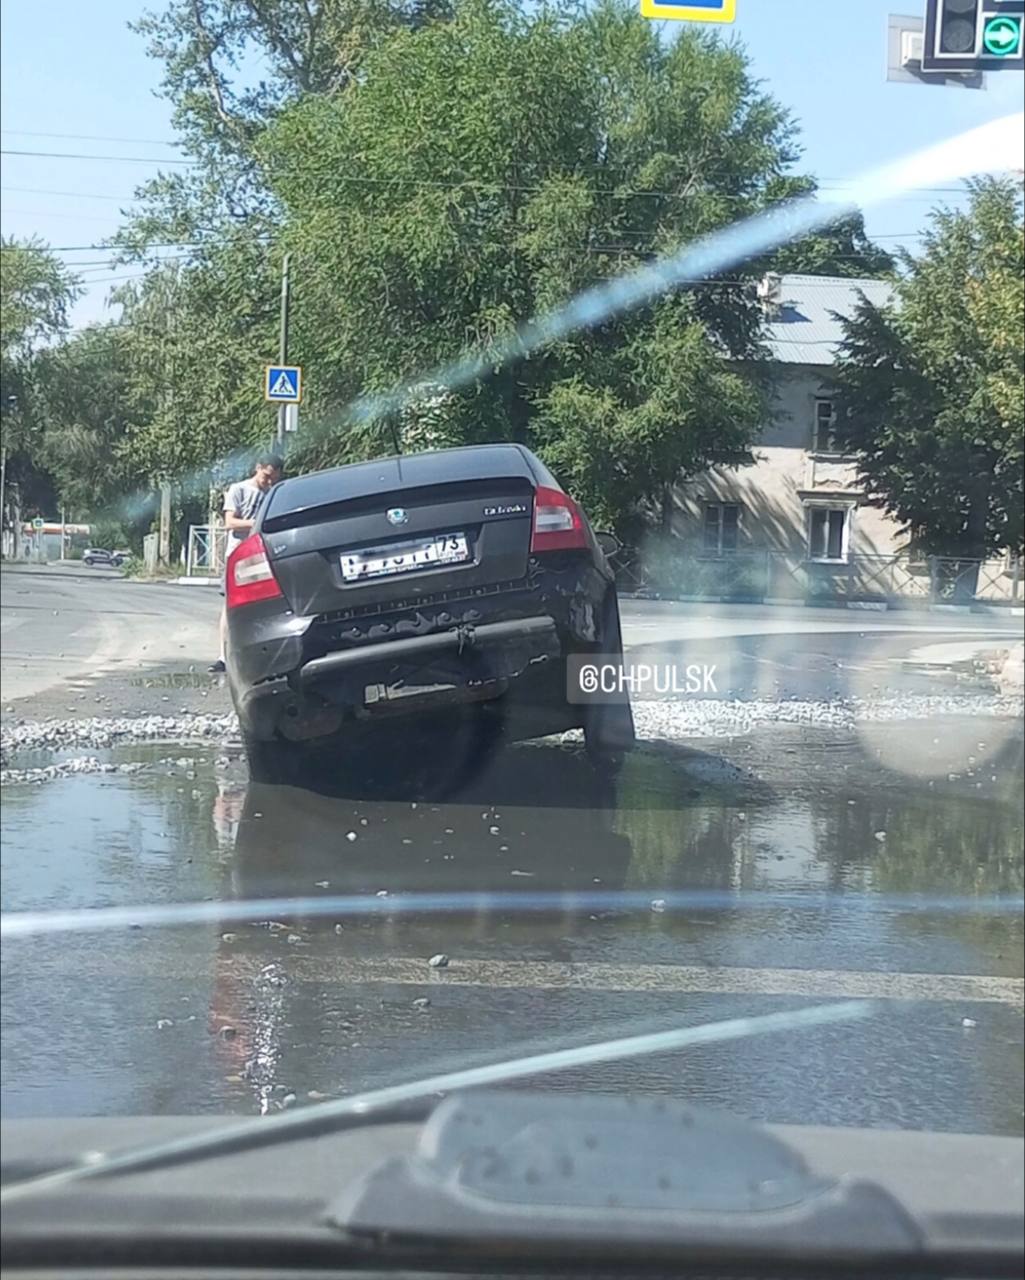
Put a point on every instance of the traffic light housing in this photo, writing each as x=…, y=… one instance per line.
x=973, y=35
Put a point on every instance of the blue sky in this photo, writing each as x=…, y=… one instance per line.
x=74, y=69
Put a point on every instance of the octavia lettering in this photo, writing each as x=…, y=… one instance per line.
x=507, y=509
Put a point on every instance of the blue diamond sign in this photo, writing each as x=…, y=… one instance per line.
x=283, y=383
x=691, y=10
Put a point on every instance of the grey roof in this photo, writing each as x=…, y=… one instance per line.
x=806, y=331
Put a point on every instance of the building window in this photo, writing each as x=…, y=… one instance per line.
x=722, y=526
x=824, y=430
x=829, y=533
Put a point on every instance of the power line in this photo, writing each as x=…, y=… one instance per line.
x=75, y=155
x=75, y=195
x=90, y=248
x=822, y=185
x=56, y=213
x=115, y=279
x=113, y=263
x=214, y=241
x=88, y=137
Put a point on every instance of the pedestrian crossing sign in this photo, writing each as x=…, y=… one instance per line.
x=283, y=383
x=691, y=10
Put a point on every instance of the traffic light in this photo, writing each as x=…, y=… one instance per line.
x=957, y=24
x=973, y=35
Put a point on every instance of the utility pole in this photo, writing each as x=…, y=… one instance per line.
x=3, y=496
x=12, y=407
x=286, y=287
x=164, y=544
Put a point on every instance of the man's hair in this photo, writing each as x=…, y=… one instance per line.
x=269, y=460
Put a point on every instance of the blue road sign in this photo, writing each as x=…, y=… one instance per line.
x=690, y=10
x=283, y=383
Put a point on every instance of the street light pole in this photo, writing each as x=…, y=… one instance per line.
x=3, y=496
x=12, y=407
x=286, y=286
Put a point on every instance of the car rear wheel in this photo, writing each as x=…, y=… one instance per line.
x=609, y=726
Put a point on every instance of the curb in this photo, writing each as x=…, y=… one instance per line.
x=870, y=606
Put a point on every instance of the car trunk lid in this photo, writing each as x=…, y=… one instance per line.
x=363, y=535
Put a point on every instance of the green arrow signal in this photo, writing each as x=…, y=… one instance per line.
x=1001, y=36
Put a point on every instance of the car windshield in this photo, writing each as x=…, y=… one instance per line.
x=512, y=530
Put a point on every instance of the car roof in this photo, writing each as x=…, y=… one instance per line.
x=403, y=471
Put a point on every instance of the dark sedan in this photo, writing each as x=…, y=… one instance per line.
x=455, y=582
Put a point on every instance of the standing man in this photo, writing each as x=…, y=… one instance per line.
x=241, y=505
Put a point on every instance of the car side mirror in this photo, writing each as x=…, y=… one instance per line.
x=609, y=543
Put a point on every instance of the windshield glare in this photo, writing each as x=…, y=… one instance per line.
x=512, y=529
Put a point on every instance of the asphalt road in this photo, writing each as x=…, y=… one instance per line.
x=63, y=625
x=97, y=634
x=719, y=878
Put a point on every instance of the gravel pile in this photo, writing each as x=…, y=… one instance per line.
x=713, y=718
x=673, y=720
x=109, y=731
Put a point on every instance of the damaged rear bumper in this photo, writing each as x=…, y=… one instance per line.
x=319, y=673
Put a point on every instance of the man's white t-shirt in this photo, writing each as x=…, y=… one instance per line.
x=242, y=501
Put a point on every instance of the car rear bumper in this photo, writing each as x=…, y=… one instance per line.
x=539, y=634
x=468, y=664
x=304, y=677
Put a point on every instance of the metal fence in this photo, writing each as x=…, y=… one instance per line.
x=768, y=575
x=204, y=556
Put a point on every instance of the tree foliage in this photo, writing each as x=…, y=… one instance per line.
x=229, y=67
x=37, y=290
x=932, y=385
x=484, y=170
x=443, y=172
x=36, y=293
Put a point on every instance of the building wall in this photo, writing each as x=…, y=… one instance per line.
x=777, y=492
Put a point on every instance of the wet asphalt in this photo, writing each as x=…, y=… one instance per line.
x=787, y=853
x=820, y=864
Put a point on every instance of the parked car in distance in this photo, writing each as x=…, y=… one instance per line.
x=99, y=558
x=459, y=578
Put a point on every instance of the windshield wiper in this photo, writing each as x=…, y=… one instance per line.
x=403, y=1101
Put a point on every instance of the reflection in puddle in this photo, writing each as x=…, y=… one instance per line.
x=287, y=1012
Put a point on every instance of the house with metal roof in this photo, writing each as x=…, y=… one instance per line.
x=801, y=498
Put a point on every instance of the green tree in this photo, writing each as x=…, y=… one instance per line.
x=37, y=290
x=36, y=293
x=484, y=170
x=439, y=182
x=84, y=411
x=208, y=50
x=932, y=385
x=198, y=336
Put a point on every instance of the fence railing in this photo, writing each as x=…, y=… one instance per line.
x=760, y=575
x=205, y=551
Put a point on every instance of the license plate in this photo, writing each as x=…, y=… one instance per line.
x=402, y=557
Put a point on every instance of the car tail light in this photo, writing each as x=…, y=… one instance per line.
x=249, y=576
x=558, y=523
